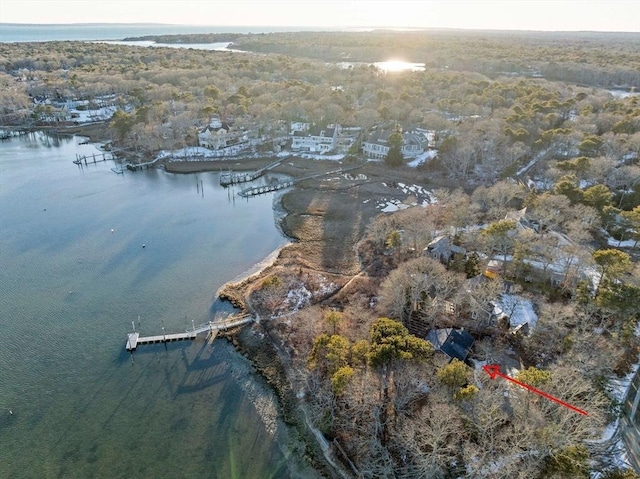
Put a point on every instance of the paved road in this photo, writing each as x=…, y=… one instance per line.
x=630, y=422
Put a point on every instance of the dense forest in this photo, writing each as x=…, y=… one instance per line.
x=537, y=173
x=587, y=58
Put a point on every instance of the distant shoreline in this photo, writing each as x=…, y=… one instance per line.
x=32, y=32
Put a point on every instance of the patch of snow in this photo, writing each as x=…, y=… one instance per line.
x=423, y=158
x=618, y=387
x=389, y=206
x=529, y=165
x=540, y=185
x=321, y=157
x=360, y=176
x=298, y=298
x=423, y=196
x=325, y=289
x=586, y=184
x=198, y=153
x=608, y=432
x=620, y=244
x=617, y=459
x=100, y=114
x=477, y=364
x=478, y=372
x=622, y=93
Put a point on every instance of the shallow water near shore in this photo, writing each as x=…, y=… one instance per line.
x=73, y=277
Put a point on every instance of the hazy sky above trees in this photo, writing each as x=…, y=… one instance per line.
x=565, y=15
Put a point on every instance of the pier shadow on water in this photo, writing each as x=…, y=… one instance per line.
x=81, y=408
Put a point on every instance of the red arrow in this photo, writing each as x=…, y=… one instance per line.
x=493, y=370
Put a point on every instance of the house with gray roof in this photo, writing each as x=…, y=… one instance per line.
x=318, y=140
x=443, y=249
x=455, y=343
x=376, y=146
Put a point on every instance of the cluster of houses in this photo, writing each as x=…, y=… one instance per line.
x=224, y=138
x=305, y=138
x=77, y=111
x=512, y=312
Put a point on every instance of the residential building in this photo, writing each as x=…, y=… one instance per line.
x=347, y=136
x=376, y=146
x=443, y=249
x=515, y=313
x=455, y=343
x=298, y=126
x=219, y=135
x=319, y=140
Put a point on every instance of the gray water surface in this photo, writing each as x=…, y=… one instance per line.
x=73, y=277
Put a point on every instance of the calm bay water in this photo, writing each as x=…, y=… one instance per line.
x=69, y=290
x=104, y=31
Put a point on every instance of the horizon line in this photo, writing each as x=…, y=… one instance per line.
x=307, y=27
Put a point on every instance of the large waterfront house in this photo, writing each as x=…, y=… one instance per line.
x=318, y=140
x=376, y=146
x=218, y=135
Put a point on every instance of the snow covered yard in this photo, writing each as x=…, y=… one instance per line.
x=418, y=195
x=423, y=158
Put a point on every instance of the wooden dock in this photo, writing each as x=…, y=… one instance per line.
x=227, y=179
x=209, y=330
x=140, y=166
x=259, y=190
x=94, y=158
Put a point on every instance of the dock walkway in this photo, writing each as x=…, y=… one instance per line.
x=94, y=158
x=227, y=179
x=211, y=328
x=139, y=166
x=259, y=190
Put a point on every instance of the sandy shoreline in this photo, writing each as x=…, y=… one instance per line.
x=253, y=272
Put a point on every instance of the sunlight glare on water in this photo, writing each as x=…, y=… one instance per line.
x=390, y=66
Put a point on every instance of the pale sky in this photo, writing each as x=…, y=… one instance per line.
x=569, y=15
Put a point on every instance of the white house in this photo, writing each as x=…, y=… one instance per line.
x=319, y=140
